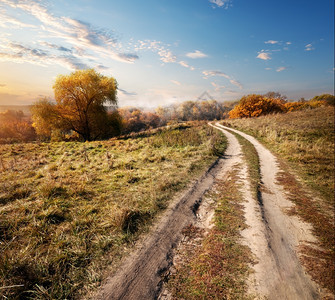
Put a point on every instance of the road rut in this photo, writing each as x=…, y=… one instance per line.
x=274, y=236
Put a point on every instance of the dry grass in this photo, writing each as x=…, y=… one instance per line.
x=304, y=141
x=67, y=210
x=216, y=266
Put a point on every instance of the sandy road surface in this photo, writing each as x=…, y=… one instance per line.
x=272, y=236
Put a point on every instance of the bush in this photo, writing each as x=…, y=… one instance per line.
x=255, y=106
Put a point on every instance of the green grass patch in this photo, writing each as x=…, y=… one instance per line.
x=218, y=266
x=69, y=209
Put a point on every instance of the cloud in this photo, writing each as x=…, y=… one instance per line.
x=210, y=73
x=77, y=33
x=7, y=20
x=18, y=53
x=264, y=55
x=272, y=42
x=158, y=47
x=2, y=85
x=125, y=93
x=236, y=83
x=186, y=65
x=309, y=47
x=280, y=69
x=175, y=82
x=196, y=54
x=217, y=87
x=221, y=3
x=288, y=43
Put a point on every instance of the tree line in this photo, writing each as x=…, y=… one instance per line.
x=85, y=108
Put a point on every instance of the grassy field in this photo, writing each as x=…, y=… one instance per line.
x=69, y=209
x=304, y=143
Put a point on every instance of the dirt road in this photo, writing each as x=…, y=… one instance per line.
x=272, y=236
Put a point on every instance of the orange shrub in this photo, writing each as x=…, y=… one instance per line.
x=256, y=105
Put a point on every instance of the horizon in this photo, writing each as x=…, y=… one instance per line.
x=168, y=52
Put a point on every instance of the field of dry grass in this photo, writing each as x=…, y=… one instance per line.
x=69, y=209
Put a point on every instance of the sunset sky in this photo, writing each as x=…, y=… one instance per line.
x=166, y=51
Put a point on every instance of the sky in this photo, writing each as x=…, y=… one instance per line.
x=168, y=51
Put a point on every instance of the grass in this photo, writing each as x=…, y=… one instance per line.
x=304, y=142
x=305, y=139
x=216, y=265
x=252, y=160
x=68, y=210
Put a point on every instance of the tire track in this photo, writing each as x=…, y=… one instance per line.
x=274, y=236
x=141, y=275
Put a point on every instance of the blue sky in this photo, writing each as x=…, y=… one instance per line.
x=168, y=51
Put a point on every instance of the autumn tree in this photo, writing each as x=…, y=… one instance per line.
x=15, y=126
x=80, y=105
x=256, y=105
x=45, y=118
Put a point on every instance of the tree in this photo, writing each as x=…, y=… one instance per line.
x=15, y=126
x=275, y=95
x=256, y=105
x=80, y=99
x=45, y=117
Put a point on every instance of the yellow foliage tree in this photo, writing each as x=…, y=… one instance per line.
x=255, y=106
x=80, y=99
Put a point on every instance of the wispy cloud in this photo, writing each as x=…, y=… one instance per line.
x=175, y=82
x=158, y=47
x=264, y=55
x=272, y=42
x=196, y=54
x=7, y=21
x=210, y=73
x=221, y=3
x=309, y=47
x=77, y=33
x=186, y=65
x=126, y=93
x=280, y=69
x=217, y=87
x=2, y=85
x=18, y=53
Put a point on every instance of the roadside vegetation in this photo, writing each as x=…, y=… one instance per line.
x=304, y=143
x=216, y=265
x=69, y=209
x=305, y=139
